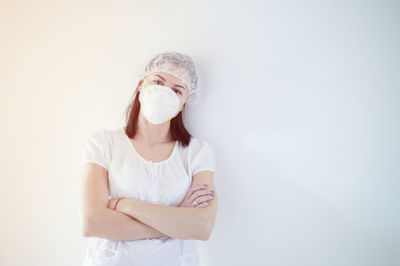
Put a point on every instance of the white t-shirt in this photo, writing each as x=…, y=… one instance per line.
x=164, y=183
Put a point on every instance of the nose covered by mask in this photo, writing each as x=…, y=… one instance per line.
x=158, y=103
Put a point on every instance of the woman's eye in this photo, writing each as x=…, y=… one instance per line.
x=158, y=81
x=178, y=91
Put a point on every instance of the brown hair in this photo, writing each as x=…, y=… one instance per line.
x=177, y=128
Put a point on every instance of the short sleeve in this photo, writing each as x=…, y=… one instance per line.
x=201, y=157
x=96, y=149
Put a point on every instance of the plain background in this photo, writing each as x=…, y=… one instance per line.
x=301, y=103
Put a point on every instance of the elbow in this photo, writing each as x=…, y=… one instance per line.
x=204, y=237
x=91, y=221
x=208, y=224
x=87, y=226
x=206, y=232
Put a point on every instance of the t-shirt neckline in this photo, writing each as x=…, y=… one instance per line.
x=140, y=156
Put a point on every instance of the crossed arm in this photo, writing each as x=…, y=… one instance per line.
x=177, y=222
x=135, y=219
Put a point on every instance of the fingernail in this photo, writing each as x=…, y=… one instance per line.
x=205, y=185
x=212, y=191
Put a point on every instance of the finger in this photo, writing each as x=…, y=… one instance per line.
x=203, y=204
x=195, y=203
x=200, y=200
x=205, y=198
x=199, y=193
x=195, y=188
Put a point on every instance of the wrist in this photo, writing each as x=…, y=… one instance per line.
x=117, y=203
x=124, y=204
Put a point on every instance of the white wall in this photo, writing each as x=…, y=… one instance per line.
x=301, y=104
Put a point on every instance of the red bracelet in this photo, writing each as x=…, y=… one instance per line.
x=116, y=204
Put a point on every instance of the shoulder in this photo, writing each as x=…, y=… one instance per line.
x=195, y=146
x=97, y=134
x=198, y=144
x=196, y=141
x=104, y=136
x=114, y=133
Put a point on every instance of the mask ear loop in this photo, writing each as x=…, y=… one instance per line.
x=140, y=86
x=184, y=105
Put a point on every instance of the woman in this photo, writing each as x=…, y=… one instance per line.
x=148, y=191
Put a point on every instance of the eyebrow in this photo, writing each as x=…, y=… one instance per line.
x=176, y=85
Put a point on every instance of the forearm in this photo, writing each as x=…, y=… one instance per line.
x=117, y=226
x=176, y=222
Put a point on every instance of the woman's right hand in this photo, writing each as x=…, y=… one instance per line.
x=198, y=196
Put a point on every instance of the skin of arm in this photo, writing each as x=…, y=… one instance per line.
x=98, y=220
x=177, y=222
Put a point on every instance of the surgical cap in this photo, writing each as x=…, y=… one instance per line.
x=179, y=65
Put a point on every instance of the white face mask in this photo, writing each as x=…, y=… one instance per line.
x=158, y=103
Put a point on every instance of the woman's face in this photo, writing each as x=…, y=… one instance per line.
x=166, y=79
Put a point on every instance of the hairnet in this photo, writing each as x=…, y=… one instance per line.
x=179, y=65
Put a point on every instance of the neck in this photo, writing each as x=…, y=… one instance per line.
x=149, y=133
